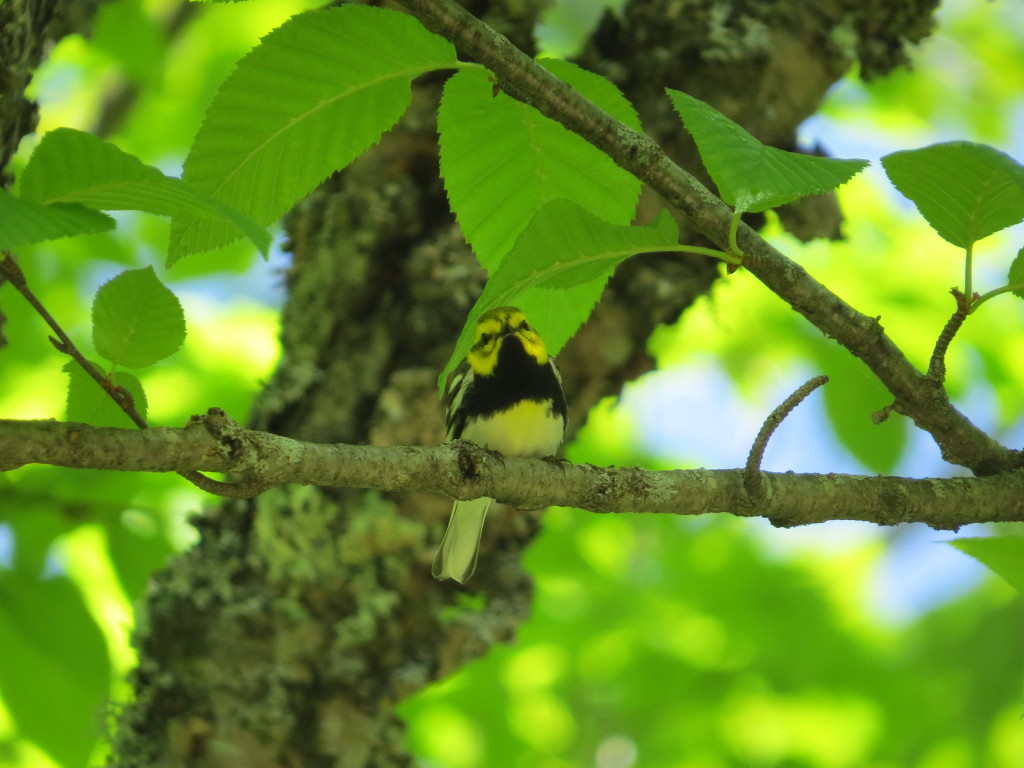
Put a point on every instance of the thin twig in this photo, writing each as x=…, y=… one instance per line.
x=937, y=364
x=245, y=489
x=9, y=268
x=63, y=342
x=752, y=480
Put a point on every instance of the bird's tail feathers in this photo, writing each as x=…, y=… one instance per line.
x=456, y=557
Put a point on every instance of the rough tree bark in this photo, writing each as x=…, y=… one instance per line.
x=289, y=632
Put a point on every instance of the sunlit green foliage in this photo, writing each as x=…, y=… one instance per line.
x=79, y=546
x=655, y=642
x=540, y=161
x=70, y=166
x=56, y=667
x=1015, y=277
x=23, y=222
x=677, y=643
x=272, y=132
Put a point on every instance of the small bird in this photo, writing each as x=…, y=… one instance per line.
x=506, y=395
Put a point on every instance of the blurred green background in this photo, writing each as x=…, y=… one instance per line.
x=655, y=641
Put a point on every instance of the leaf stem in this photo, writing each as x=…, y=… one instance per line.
x=992, y=294
x=734, y=225
x=714, y=253
x=968, y=277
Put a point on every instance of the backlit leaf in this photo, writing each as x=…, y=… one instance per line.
x=23, y=222
x=966, y=191
x=136, y=320
x=751, y=176
x=72, y=166
x=502, y=160
x=310, y=98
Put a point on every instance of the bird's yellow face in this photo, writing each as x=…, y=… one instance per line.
x=494, y=328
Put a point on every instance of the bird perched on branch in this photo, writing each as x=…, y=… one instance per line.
x=505, y=395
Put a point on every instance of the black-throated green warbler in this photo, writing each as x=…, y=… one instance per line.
x=506, y=395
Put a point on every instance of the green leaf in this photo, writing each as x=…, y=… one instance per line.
x=965, y=191
x=558, y=268
x=138, y=546
x=1016, y=274
x=749, y=175
x=136, y=320
x=852, y=395
x=89, y=403
x=55, y=674
x=310, y=98
x=36, y=523
x=133, y=38
x=23, y=222
x=1002, y=554
x=502, y=160
x=72, y=166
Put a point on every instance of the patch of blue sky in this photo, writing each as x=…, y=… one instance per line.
x=6, y=546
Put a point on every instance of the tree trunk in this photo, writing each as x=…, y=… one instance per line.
x=289, y=632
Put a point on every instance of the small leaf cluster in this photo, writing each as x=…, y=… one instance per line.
x=136, y=321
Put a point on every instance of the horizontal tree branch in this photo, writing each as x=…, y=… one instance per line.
x=916, y=396
x=464, y=470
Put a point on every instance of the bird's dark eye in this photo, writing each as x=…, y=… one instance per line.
x=485, y=338
x=524, y=326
